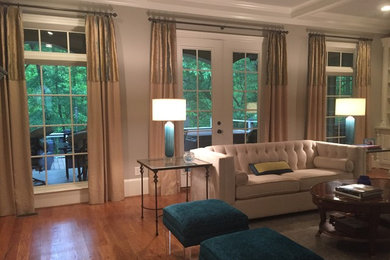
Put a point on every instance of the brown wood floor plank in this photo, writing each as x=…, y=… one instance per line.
x=6, y=228
x=113, y=230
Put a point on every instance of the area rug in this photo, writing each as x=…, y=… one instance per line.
x=302, y=228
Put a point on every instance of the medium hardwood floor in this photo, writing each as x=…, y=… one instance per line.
x=113, y=230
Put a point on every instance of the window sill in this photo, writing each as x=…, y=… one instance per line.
x=60, y=187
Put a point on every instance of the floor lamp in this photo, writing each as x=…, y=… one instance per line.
x=169, y=109
x=350, y=107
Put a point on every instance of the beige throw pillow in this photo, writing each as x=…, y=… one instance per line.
x=342, y=164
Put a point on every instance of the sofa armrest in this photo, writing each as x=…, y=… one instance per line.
x=221, y=177
x=241, y=178
x=352, y=153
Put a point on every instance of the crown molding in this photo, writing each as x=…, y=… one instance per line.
x=311, y=14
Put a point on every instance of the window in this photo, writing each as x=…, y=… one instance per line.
x=340, y=68
x=56, y=81
x=54, y=41
x=245, y=88
x=197, y=92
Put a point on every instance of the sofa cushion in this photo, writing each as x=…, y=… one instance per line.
x=241, y=178
x=333, y=163
x=266, y=185
x=309, y=177
x=192, y=222
x=270, y=168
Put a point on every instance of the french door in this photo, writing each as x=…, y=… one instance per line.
x=219, y=77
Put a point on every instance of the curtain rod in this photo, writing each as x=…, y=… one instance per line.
x=58, y=9
x=214, y=25
x=343, y=37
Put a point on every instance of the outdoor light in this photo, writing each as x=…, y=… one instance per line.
x=169, y=110
x=251, y=107
x=350, y=107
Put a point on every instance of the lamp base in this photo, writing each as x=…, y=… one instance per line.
x=350, y=129
x=169, y=139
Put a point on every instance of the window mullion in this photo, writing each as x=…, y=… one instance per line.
x=39, y=40
x=68, y=42
x=197, y=99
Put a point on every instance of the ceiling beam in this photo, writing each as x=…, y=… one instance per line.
x=315, y=6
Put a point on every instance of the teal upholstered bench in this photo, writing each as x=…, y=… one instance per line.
x=192, y=222
x=254, y=244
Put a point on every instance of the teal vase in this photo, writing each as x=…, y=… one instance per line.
x=350, y=129
x=169, y=139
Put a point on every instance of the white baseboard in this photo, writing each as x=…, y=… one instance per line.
x=59, y=197
x=52, y=199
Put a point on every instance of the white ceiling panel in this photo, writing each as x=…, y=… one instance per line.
x=362, y=8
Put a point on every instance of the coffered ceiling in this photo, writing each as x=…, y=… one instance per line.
x=351, y=15
x=355, y=16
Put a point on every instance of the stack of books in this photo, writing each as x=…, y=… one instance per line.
x=359, y=191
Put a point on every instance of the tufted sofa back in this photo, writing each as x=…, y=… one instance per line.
x=298, y=154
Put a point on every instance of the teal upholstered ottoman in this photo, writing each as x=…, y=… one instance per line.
x=254, y=244
x=192, y=222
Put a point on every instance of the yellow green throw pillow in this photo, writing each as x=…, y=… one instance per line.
x=270, y=168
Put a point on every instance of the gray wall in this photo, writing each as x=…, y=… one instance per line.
x=133, y=42
x=374, y=107
x=297, y=74
x=133, y=45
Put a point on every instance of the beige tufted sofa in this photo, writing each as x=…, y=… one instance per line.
x=312, y=162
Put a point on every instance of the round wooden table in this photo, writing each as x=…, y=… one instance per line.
x=368, y=210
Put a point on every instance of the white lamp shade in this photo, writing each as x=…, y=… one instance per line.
x=169, y=109
x=350, y=106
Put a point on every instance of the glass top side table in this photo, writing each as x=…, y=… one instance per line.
x=175, y=163
x=366, y=161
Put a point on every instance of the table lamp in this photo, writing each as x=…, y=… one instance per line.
x=350, y=107
x=169, y=109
